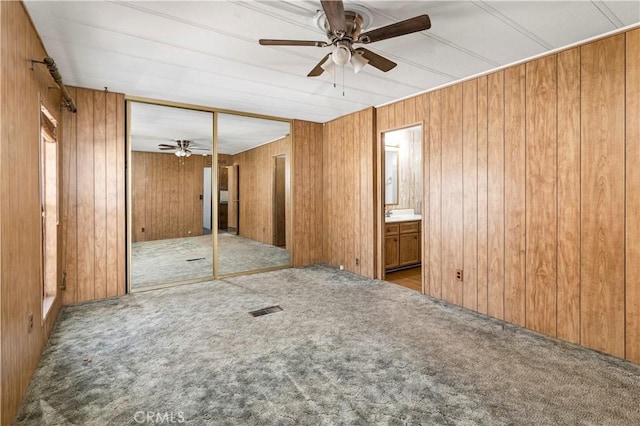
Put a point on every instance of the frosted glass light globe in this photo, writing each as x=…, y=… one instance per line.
x=341, y=55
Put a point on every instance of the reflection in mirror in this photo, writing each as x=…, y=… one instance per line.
x=390, y=175
x=171, y=210
x=254, y=157
x=403, y=169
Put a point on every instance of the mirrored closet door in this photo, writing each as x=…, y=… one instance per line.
x=171, y=217
x=254, y=180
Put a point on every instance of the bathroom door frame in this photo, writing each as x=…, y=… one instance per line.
x=379, y=198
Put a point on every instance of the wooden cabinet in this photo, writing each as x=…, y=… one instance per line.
x=402, y=244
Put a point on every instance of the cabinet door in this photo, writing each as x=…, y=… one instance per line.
x=409, y=249
x=391, y=252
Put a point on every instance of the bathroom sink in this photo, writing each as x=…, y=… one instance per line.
x=402, y=218
x=402, y=215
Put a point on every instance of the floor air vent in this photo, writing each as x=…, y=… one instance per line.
x=265, y=311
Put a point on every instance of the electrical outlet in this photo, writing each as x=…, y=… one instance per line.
x=459, y=275
x=342, y=267
x=30, y=321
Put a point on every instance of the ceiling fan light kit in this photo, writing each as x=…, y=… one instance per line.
x=358, y=62
x=344, y=29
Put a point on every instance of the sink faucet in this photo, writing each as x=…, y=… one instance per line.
x=387, y=213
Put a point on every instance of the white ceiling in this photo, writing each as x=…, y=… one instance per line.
x=207, y=53
x=152, y=125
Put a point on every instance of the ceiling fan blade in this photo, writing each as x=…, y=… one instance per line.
x=165, y=146
x=375, y=60
x=270, y=42
x=317, y=70
x=334, y=11
x=412, y=25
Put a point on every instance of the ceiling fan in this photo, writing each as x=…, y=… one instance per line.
x=343, y=30
x=183, y=147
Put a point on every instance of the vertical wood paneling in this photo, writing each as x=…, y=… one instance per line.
x=2, y=153
x=470, y=193
x=99, y=190
x=22, y=89
x=111, y=193
x=633, y=197
x=346, y=191
x=410, y=110
x=256, y=169
x=602, y=208
x=495, y=197
x=483, y=248
x=93, y=181
x=423, y=112
x=452, y=227
x=140, y=231
x=552, y=162
x=435, y=194
x=157, y=181
x=307, y=163
x=365, y=133
x=541, y=195
x=399, y=115
x=568, y=204
x=382, y=117
x=86, y=196
x=69, y=203
x=514, y=189
x=120, y=174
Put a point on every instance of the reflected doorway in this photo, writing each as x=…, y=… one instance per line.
x=279, y=202
x=206, y=202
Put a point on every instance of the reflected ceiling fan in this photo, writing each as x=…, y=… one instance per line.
x=343, y=30
x=183, y=147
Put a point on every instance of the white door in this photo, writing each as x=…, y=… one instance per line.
x=206, y=200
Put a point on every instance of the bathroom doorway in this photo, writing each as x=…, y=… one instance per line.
x=402, y=194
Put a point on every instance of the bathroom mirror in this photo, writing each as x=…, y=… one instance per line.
x=254, y=190
x=390, y=175
x=171, y=192
x=403, y=169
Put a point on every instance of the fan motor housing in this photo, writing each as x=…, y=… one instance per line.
x=358, y=18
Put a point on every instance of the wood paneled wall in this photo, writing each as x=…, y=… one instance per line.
x=307, y=192
x=166, y=196
x=348, y=196
x=526, y=189
x=632, y=236
x=256, y=168
x=21, y=90
x=93, y=173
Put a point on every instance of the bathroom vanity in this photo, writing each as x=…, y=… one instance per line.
x=402, y=240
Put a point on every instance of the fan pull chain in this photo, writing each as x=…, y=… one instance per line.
x=343, y=80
